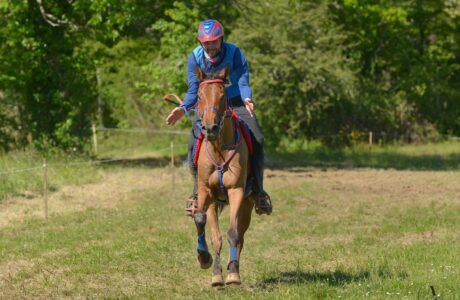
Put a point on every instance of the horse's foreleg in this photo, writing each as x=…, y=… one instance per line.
x=216, y=241
x=204, y=258
x=244, y=219
x=233, y=236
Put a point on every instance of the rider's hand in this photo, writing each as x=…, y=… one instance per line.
x=249, y=106
x=175, y=116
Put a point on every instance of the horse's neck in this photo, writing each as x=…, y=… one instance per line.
x=228, y=131
x=227, y=138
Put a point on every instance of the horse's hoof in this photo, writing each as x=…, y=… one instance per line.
x=217, y=280
x=233, y=278
x=205, y=259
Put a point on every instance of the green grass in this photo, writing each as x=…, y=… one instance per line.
x=138, y=148
x=139, y=144
x=439, y=156
x=308, y=249
x=24, y=174
x=324, y=241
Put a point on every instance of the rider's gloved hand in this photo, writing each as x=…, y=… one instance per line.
x=175, y=115
x=249, y=106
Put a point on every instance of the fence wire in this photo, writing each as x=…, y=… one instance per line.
x=146, y=130
x=20, y=170
x=91, y=162
x=361, y=137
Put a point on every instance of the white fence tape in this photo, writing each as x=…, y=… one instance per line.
x=137, y=130
x=91, y=162
x=19, y=170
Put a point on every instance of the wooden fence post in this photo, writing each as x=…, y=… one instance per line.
x=94, y=139
x=45, y=186
x=371, y=138
x=173, y=176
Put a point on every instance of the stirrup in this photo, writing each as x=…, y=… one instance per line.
x=191, y=205
x=263, y=204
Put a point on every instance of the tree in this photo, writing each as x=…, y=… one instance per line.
x=405, y=51
x=302, y=82
x=167, y=72
x=49, y=55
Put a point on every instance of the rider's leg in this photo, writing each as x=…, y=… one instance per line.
x=258, y=141
x=263, y=203
x=192, y=167
x=191, y=203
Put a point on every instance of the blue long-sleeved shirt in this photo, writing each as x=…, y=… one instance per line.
x=240, y=68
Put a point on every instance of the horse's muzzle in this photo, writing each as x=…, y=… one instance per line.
x=211, y=132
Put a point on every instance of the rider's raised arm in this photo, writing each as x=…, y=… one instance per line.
x=193, y=83
x=242, y=71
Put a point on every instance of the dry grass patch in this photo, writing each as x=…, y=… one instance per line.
x=115, y=187
x=411, y=238
x=392, y=185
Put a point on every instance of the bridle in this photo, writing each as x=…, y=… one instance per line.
x=227, y=112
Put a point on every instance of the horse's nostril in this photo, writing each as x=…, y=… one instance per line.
x=210, y=128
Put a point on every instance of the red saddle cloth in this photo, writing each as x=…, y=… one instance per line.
x=243, y=129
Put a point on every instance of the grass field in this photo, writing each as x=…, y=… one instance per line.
x=21, y=173
x=350, y=224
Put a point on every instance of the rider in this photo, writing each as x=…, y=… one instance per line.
x=212, y=55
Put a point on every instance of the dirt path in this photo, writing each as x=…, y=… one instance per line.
x=392, y=185
x=369, y=185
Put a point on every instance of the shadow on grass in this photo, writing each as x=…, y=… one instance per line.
x=336, y=278
x=363, y=159
x=327, y=158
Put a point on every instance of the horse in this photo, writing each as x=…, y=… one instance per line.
x=223, y=171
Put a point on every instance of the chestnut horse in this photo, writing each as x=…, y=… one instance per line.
x=223, y=170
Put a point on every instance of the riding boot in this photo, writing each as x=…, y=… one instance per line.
x=262, y=200
x=263, y=204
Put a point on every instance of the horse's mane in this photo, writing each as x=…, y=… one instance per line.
x=212, y=75
x=215, y=75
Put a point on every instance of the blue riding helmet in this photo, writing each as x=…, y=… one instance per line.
x=210, y=30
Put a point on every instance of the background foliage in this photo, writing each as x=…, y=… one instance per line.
x=328, y=70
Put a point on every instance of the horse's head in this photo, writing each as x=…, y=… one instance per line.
x=212, y=102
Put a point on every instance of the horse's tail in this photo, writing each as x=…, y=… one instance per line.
x=220, y=206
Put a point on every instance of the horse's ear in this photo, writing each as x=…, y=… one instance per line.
x=224, y=73
x=200, y=74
